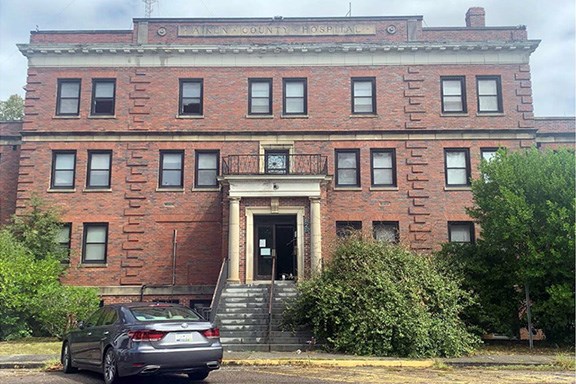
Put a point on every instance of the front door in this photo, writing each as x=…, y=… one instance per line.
x=275, y=236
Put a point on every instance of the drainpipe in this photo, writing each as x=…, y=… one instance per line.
x=174, y=247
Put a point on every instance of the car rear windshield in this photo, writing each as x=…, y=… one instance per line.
x=159, y=313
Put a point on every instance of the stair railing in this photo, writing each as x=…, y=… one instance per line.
x=218, y=290
x=271, y=299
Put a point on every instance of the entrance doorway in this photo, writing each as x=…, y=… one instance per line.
x=275, y=235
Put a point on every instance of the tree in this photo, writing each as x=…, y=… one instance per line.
x=374, y=298
x=12, y=109
x=525, y=204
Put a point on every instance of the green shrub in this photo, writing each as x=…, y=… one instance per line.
x=378, y=299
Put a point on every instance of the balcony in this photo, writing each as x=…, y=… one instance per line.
x=275, y=174
x=275, y=164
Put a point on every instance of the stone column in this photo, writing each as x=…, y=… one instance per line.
x=234, y=241
x=315, y=235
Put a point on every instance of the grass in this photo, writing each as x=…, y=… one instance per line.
x=31, y=346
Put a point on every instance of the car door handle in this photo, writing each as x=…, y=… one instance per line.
x=106, y=333
x=89, y=333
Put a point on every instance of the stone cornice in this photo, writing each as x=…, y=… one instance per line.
x=194, y=136
x=30, y=50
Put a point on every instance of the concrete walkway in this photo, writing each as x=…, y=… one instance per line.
x=321, y=359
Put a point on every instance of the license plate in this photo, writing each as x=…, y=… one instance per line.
x=184, y=337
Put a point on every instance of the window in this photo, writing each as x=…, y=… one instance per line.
x=347, y=228
x=489, y=94
x=453, y=94
x=460, y=232
x=63, y=237
x=387, y=231
x=488, y=153
x=99, y=165
x=191, y=94
x=95, y=243
x=364, y=95
x=103, y=91
x=348, y=168
x=63, y=170
x=260, y=99
x=277, y=162
x=383, y=167
x=68, y=99
x=295, y=102
x=457, y=164
x=207, y=169
x=171, y=167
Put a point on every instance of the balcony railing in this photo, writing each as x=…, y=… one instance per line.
x=274, y=165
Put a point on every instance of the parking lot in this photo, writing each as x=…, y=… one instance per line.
x=305, y=375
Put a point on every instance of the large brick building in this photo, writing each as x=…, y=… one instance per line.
x=184, y=142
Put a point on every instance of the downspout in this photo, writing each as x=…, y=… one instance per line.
x=174, y=247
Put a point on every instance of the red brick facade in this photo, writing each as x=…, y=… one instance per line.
x=10, y=141
x=406, y=63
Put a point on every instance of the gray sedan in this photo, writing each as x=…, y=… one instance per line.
x=143, y=339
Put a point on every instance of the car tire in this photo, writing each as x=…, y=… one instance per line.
x=197, y=376
x=67, y=366
x=110, y=367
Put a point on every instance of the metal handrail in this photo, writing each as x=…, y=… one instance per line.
x=218, y=290
x=271, y=300
x=301, y=164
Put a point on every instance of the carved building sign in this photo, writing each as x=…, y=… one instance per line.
x=327, y=29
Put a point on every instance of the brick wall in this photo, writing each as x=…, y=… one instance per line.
x=9, y=166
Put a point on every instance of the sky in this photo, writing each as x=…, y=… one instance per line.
x=552, y=21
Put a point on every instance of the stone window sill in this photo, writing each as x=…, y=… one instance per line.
x=347, y=188
x=91, y=190
x=384, y=189
x=92, y=265
x=63, y=190
x=364, y=116
x=170, y=190
x=455, y=114
x=294, y=116
x=458, y=188
x=190, y=117
x=259, y=116
x=110, y=117
x=64, y=117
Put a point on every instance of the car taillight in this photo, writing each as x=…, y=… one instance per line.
x=146, y=335
x=211, y=333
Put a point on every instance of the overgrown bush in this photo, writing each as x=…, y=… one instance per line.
x=378, y=299
x=32, y=299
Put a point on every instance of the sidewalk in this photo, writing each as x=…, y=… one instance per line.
x=321, y=359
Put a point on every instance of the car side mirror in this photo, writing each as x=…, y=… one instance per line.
x=81, y=324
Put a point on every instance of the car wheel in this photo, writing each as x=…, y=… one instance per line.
x=110, y=367
x=197, y=376
x=67, y=366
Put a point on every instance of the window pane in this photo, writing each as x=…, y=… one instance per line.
x=94, y=252
x=104, y=89
x=172, y=161
x=63, y=235
x=460, y=233
x=100, y=161
x=347, y=177
x=171, y=178
x=68, y=106
x=455, y=159
x=64, y=178
x=295, y=105
x=104, y=106
x=260, y=89
x=488, y=103
x=260, y=106
x=488, y=155
x=453, y=104
x=191, y=90
x=451, y=87
x=363, y=88
x=457, y=176
x=69, y=89
x=346, y=160
x=191, y=106
x=207, y=161
x=487, y=87
x=385, y=232
x=294, y=89
x=383, y=177
x=382, y=159
x=96, y=234
x=99, y=178
x=206, y=177
x=65, y=161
